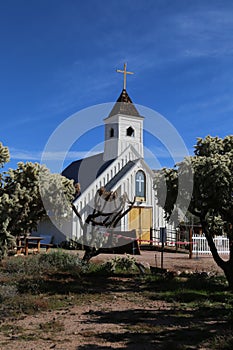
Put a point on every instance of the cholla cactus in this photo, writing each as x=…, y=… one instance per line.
x=26, y=194
x=4, y=155
x=211, y=198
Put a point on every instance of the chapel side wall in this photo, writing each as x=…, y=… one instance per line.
x=127, y=185
x=82, y=202
x=59, y=232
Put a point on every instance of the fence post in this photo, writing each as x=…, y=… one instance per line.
x=163, y=237
x=177, y=239
x=151, y=236
x=190, y=243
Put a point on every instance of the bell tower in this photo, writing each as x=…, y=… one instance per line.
x=123, y=127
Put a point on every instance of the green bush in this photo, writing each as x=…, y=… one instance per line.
x=120, y=264
x=45, y=263
x=61, y=261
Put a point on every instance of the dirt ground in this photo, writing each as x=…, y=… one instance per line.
x=114, y=318
x=173, y=261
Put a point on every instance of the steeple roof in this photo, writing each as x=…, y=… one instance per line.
x=124, y=105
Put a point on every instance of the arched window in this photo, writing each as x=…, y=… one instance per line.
x=140, y=185
x=111, y=132
x=130, y=132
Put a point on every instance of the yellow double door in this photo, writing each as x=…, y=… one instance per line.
x=140, y=219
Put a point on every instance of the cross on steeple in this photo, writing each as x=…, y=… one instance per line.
x=125, y=73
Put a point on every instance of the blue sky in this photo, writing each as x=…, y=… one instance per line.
x=58, y=57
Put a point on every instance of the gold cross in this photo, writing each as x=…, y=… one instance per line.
x=125, y=73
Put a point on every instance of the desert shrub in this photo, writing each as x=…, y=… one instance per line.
x=61, y=261
x=22, y=265
x=223, y=342
x=7, y=291
x=36, y=265
x=101, y=269
x=120, y=264
x=33, y=285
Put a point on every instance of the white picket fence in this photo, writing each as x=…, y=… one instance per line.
x=200, y=245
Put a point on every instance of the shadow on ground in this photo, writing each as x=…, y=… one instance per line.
x=156, y=329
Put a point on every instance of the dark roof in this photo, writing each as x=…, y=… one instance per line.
x=124, y=105
x=86, y=170
x=119, y=175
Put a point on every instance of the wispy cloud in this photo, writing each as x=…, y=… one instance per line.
x=67, y=155
x=8, y=124
x=20, y=154
x=162, y=152
x=37, y=155
x=194, y=32
x=184, y=34
x=218, y=104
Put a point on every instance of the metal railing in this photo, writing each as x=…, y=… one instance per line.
x=200, y=245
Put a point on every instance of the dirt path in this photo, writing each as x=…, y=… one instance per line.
x=110, y=324
x=117, y=316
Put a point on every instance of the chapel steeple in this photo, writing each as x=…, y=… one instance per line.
x=124, y=105
x=123, y=126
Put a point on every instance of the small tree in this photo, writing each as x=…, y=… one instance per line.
x=24, y=194
x=108, y=210
x=212, y=196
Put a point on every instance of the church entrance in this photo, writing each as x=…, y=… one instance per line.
x=140, y=219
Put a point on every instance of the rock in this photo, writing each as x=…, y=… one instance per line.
x=145, y=264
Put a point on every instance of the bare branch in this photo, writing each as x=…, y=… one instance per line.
x=101, y=218
x=78, y=215
x=124, y=213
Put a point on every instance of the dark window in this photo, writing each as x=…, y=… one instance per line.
x=130, y=132
x=140, y=184
x=111, y=132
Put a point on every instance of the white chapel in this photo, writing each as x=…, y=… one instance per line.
x=120, y=167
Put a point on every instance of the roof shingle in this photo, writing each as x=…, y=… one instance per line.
x=124, y=105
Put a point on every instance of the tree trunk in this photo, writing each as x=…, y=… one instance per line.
x=226, y=266
x=228, y=271
x=90, y=252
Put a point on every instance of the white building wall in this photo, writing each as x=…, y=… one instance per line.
x=58, y=230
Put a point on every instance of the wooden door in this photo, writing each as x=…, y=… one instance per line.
x=140, y=219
